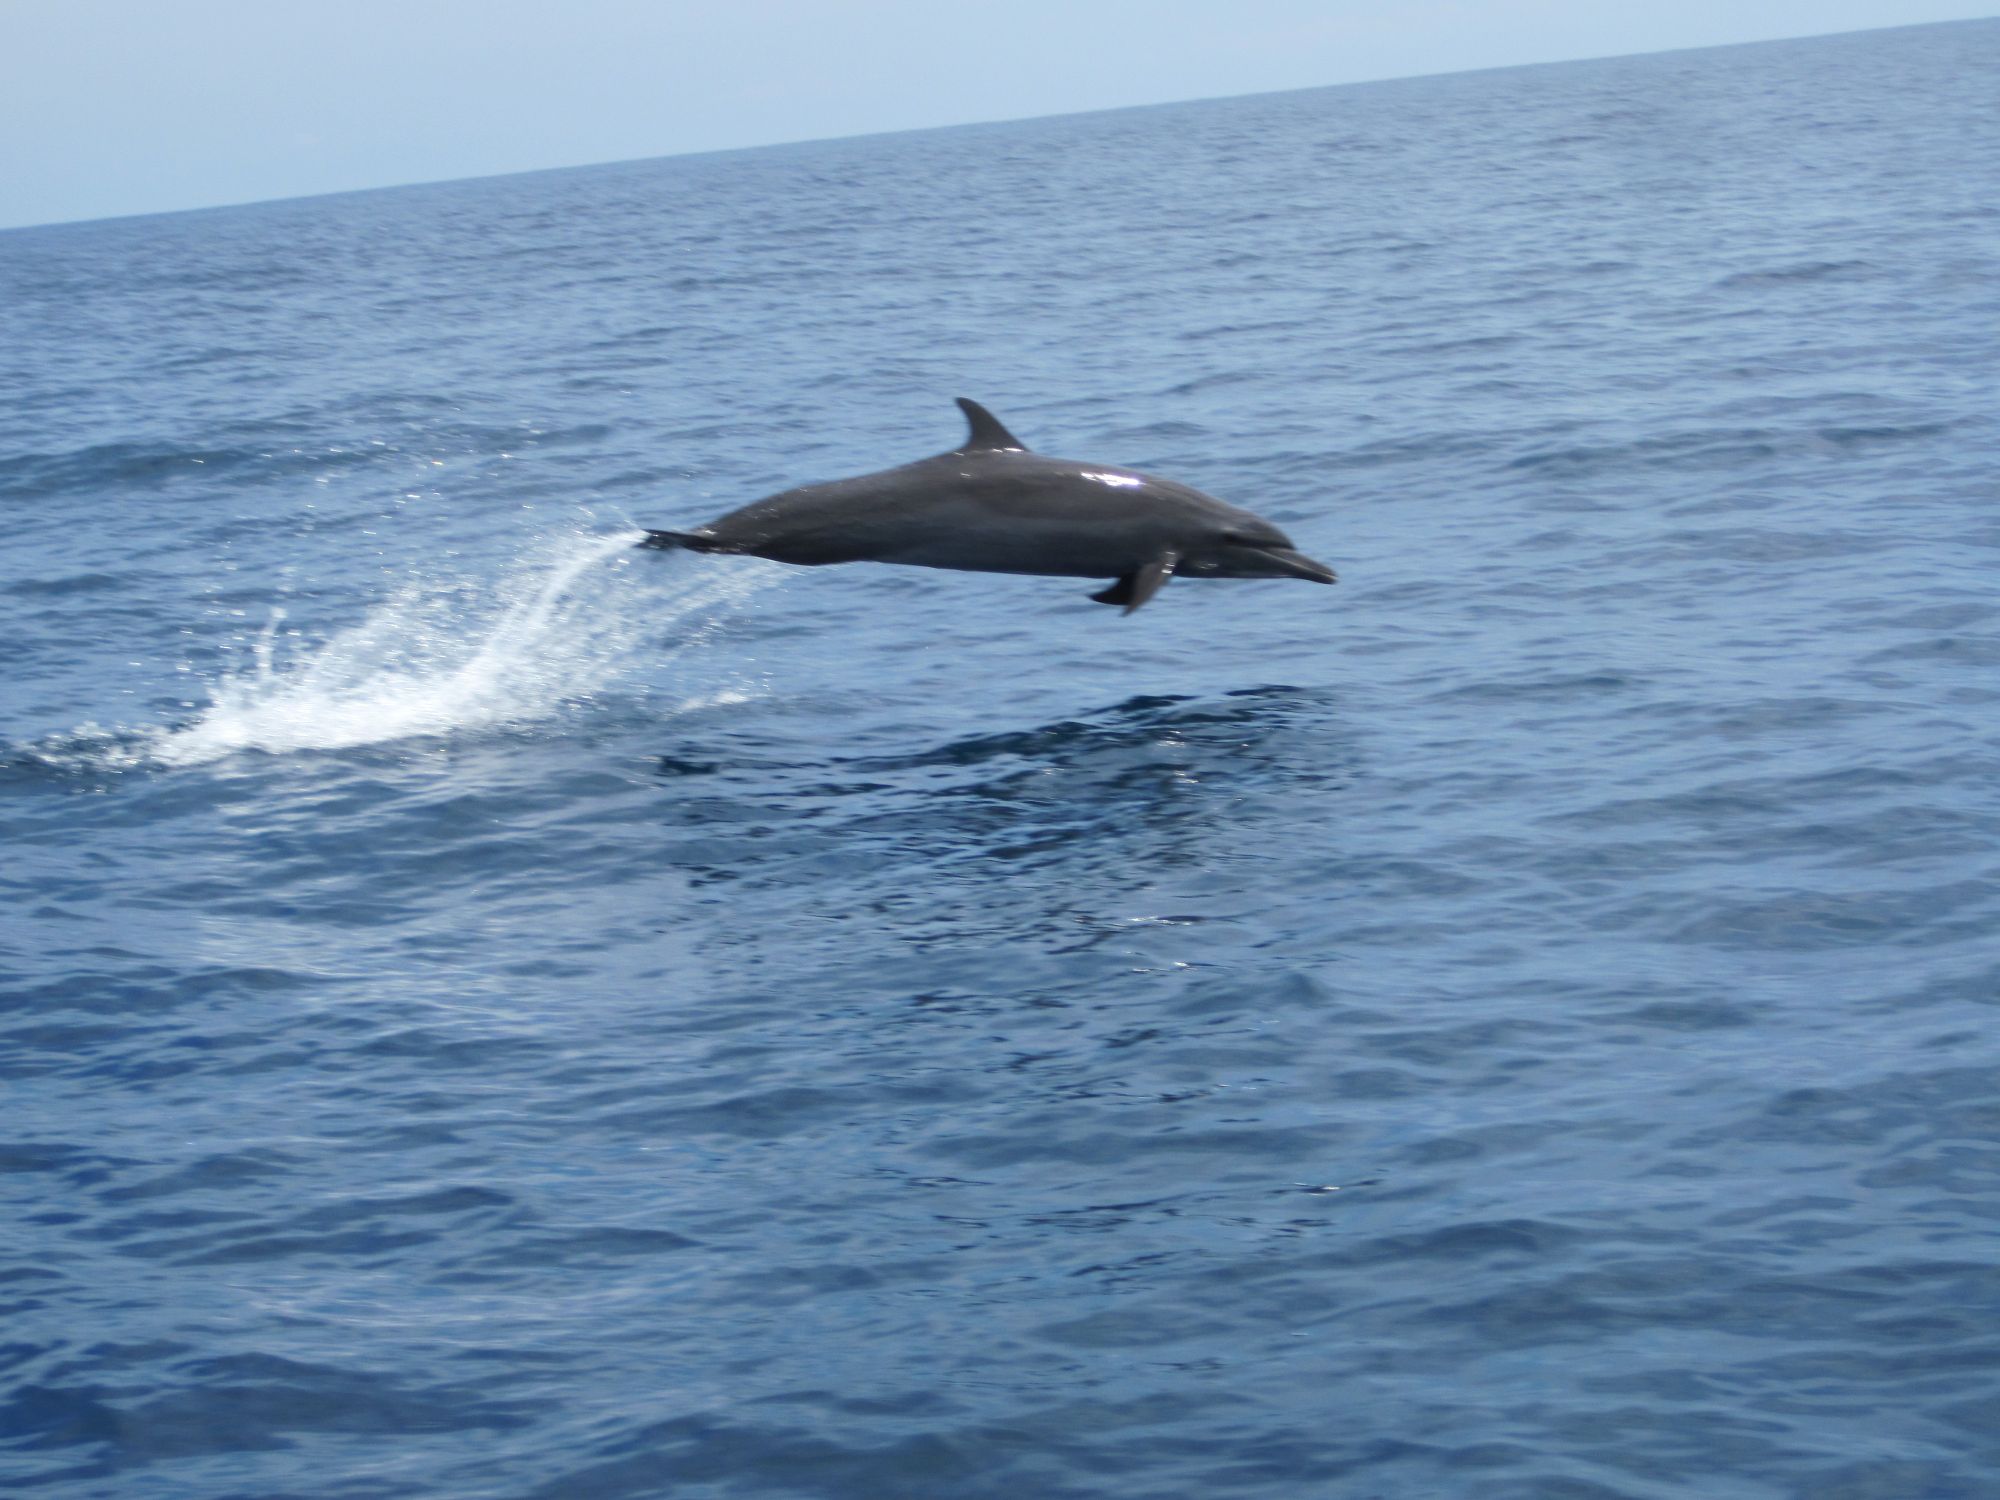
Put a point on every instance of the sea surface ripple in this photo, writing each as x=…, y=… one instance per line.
x=489, y=1012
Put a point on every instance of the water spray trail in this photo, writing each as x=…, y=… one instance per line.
x=424, y=663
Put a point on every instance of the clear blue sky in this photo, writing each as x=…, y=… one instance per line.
x=135, y=106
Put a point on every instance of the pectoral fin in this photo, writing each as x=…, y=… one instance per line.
x=1135, y=588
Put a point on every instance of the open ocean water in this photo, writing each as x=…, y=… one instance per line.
x=489, y=1012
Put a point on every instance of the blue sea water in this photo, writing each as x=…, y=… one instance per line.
x=487, y=1012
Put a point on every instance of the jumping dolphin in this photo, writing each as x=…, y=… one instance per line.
x=991, y=506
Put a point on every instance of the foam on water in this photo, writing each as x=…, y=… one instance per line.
x=431, y=661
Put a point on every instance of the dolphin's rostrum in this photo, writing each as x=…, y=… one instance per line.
x=991, y=506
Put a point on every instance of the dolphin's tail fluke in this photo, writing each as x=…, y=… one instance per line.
x=694, y=541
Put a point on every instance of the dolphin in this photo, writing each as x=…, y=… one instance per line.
x=991, y=506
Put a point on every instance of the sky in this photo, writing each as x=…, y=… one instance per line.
x=113, y=107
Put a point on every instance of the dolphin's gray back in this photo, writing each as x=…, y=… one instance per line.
x=990, y=511
x=991, y=506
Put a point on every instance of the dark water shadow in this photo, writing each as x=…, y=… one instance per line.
x=1153, y=778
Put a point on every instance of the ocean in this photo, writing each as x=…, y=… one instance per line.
x=487, y=1011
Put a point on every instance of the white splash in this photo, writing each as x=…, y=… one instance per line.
x=434, y=660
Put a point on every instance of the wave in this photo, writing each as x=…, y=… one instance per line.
x=1802, y=271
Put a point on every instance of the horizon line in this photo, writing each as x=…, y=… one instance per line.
x=1061, y=114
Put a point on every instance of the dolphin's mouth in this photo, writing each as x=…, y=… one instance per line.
x=1245, y=560
x=1289, y=564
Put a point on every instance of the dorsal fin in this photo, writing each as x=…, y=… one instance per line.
x=987, y=433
